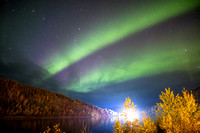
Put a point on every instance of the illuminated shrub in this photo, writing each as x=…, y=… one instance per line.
x=175, y=114
x=148, y=125
x=178, y=113
x=130, y=115
x=117, y=127
x=56, y=129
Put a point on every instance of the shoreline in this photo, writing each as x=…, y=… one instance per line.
x=45, y=117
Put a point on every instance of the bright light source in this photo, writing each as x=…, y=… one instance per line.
x=132, y=115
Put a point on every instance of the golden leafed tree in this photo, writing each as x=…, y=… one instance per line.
x=118, y=127
x=148, y=125
x=180, y=114
x=130, y=116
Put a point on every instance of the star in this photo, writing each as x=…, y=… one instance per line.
x=57, y=36
x=43, y=18
x=33, y=11
x=79, y=28
x=185, y=50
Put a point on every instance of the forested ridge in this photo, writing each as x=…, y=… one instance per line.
x=17, y=99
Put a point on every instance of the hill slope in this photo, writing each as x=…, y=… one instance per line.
x=18, y=99
x=196, y=93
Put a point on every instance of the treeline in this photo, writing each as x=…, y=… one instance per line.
x=17, y=99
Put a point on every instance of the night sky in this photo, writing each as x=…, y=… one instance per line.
x=102, y=51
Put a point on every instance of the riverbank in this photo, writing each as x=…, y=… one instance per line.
x=39, y=117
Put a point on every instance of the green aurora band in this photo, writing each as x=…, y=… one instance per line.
x=116, y=28
x=147, y=62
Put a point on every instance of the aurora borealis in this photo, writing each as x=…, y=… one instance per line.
x=116, y=29
x=101, y=52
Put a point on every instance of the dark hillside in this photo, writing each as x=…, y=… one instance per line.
x=196, y=93
x=17, y=99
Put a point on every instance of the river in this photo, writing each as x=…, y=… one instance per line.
x=69, y=125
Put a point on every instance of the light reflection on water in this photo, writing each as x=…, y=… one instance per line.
x=69, y=125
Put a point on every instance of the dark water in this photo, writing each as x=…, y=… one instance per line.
x=69, y=125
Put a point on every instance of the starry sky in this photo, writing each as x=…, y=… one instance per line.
x=102, y=51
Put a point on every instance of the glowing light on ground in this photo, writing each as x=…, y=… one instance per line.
x=132, y=115
x=128, y=115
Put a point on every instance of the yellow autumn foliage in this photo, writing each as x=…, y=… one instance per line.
x=117, y=127
x=56, y=129
x=180, y=114
x=148, y=125
x=131, y=125
x=175, y=114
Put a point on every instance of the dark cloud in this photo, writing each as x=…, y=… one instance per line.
x=23, y=71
